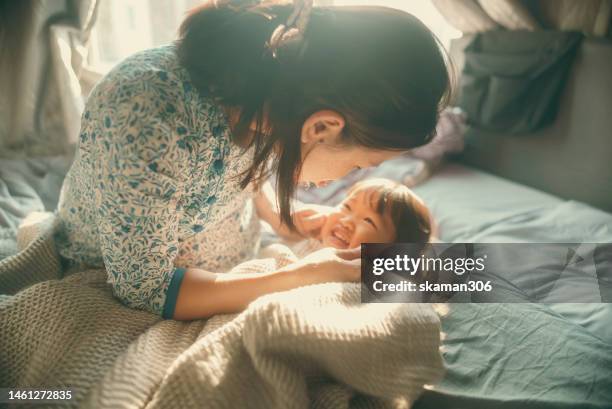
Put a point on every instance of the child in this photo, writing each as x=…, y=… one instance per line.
x=374, y=211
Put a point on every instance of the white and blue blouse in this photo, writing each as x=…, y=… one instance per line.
x=154, y=186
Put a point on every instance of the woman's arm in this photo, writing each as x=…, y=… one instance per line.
x=138, y=185
x=203, y=294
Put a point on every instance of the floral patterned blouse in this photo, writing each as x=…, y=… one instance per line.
x=153, y=188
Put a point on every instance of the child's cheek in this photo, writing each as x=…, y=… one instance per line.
x=359, y=237
x=332, y=220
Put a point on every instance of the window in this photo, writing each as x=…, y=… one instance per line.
x=124, y=27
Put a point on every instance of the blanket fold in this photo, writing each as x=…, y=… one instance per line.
x=314, y=346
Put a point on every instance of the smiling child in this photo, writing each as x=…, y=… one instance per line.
x=374, y=211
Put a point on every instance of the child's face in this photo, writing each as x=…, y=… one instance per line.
x=356, y=221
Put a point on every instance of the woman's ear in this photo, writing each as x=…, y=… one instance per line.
x=323, y=126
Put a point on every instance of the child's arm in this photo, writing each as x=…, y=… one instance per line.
x=308, y=219
x=267, y=207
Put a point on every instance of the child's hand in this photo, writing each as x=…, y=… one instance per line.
x=310, y=219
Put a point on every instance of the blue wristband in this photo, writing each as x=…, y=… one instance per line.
x=172, y=293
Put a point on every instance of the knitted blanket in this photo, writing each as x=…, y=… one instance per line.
x=315, y=346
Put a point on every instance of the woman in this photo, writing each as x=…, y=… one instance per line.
x=176, y=141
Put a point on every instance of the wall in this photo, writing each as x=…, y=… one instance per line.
x=573, y=157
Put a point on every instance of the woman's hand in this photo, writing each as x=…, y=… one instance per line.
x=330, y=264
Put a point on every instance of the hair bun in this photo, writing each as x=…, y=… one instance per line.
x=290, y=36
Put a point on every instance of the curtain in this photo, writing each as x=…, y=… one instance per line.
x=592, y=17
x=40, y=116
x=18, y=59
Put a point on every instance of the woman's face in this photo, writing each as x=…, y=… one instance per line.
x=324, y=164
x=325, y=158
x=356, y=221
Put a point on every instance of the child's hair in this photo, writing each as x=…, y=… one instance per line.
x=380, y=68
x=412, y=219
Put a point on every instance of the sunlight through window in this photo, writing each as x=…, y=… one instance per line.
x=128, y=26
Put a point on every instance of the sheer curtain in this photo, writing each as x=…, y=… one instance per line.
x=592, y=17
x=18, y=59
x=43, y=51
x=469, y=16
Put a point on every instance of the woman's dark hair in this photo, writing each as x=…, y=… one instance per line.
x=380, y=68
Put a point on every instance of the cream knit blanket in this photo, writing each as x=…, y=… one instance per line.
x=315, y=346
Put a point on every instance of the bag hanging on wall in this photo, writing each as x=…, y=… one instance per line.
x=512, y=80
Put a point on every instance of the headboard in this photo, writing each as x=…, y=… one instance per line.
x=572, y=158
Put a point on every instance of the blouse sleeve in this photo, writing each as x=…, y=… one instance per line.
x=138, y=194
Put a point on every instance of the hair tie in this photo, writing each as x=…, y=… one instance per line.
x=292, y=32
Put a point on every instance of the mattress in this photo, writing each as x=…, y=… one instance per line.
x=520, y=355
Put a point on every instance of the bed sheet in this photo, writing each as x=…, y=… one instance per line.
x=496, y=355
x=518, y=355
x=27, y=185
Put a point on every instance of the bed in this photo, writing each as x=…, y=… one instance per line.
x=518, y=355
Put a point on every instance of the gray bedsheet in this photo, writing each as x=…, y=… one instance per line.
x=519, y=355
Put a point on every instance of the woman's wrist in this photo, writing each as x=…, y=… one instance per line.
x=303, y=274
